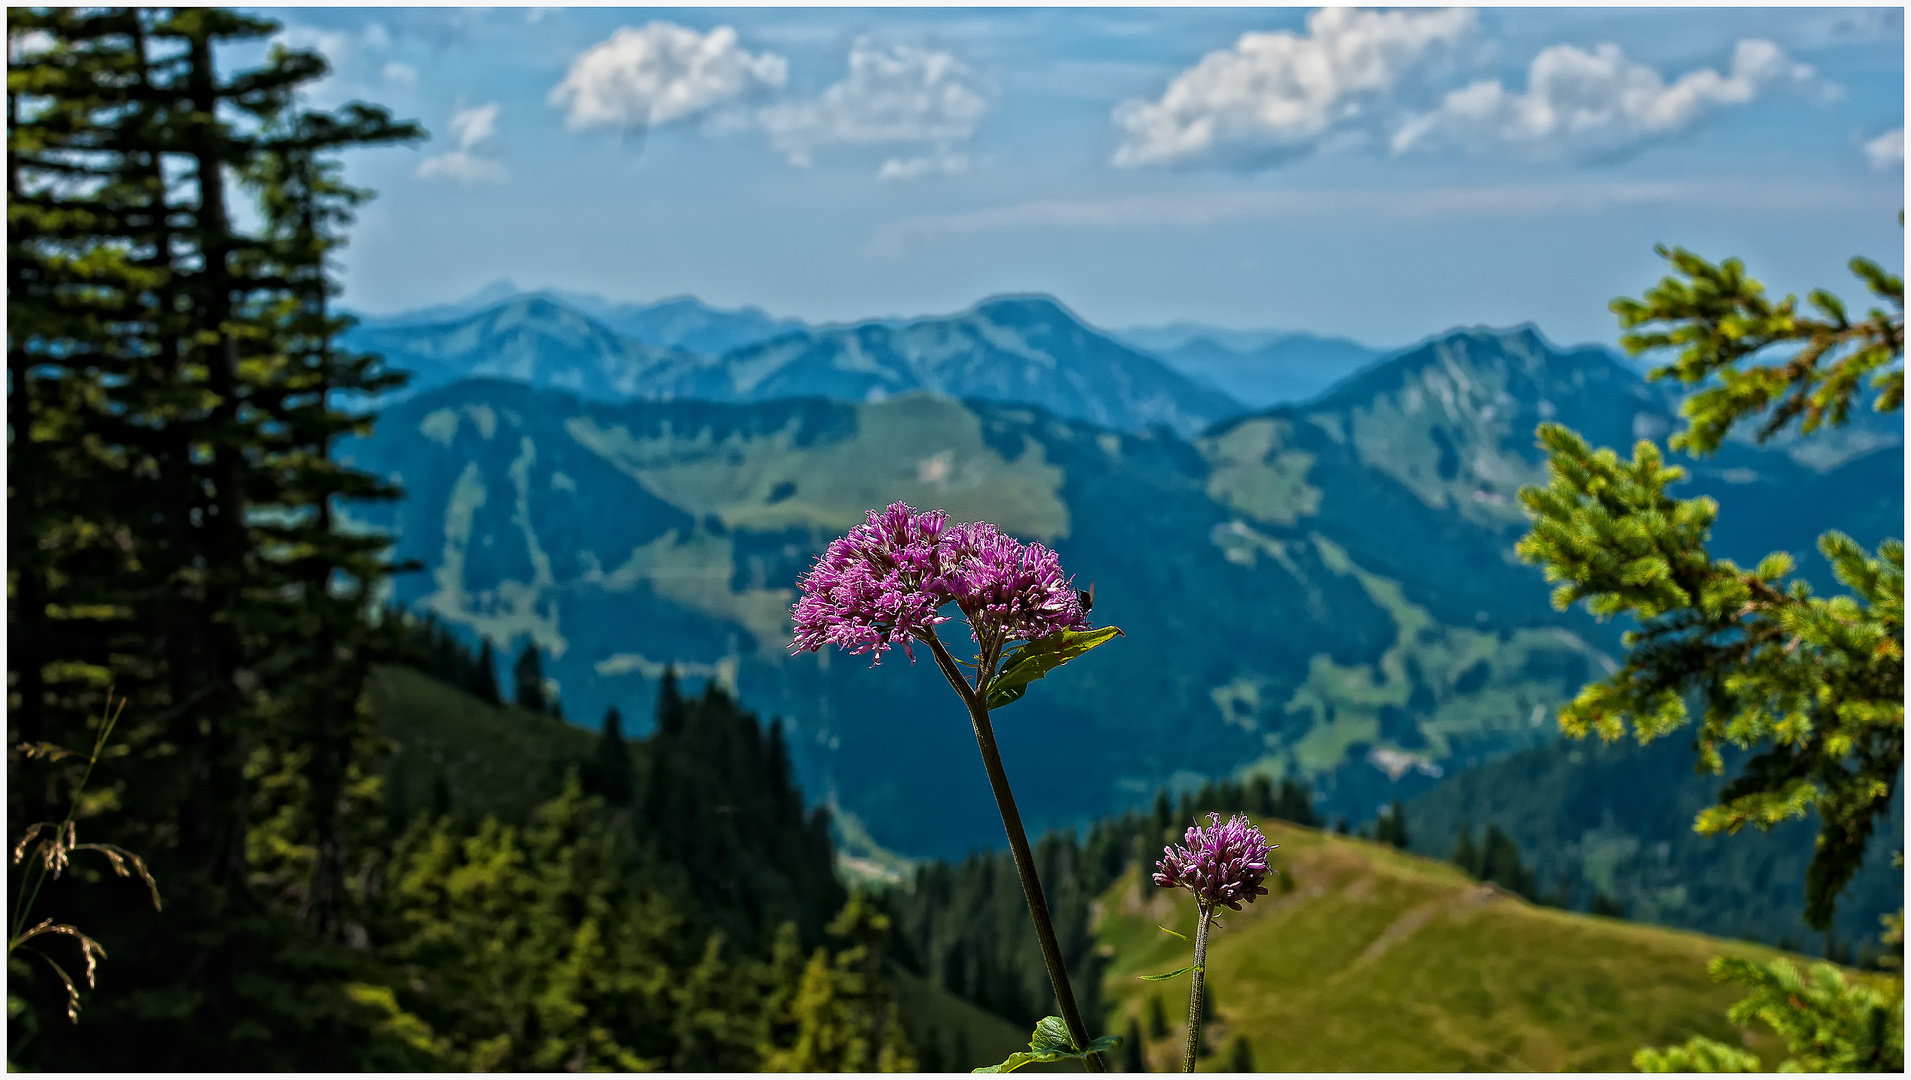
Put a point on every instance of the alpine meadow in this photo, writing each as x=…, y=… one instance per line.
x=1404, y=507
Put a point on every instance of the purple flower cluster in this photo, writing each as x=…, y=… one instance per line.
x=1222, y=864
x=886, y=582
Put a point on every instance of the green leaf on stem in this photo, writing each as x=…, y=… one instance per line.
x=1050, y=1042
x=1176, y=933
x=1037, y=658
x=1169, y=975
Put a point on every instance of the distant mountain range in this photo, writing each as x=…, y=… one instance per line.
x=1257, y=368
x=533, y=340
x=1011, y=349
x=1324, y=590
x=1015, y=349
x=680, y=322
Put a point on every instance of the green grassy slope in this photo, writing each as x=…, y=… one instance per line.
x=1364, y=958
x=487, y=759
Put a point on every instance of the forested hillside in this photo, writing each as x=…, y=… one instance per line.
x=1301, y=639
x=1613, y=822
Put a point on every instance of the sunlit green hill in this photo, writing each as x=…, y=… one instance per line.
x=1367, y=959
x=452, y=752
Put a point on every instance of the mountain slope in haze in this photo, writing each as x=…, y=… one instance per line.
x=1325, y=591
x=1414, y=465
x=1258, y=369
x=1452, y=420
x=624, y=537
x=1367, y=959
x=502, y=291
x=533, y=340
x=1012, y=349
x=1023, y=349
x=684, y=323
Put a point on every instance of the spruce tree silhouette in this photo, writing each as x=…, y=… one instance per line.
x=671, y=711
x=485, y=683
x=610, y=773
x=527, y=676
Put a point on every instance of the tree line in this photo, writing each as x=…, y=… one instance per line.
x=672, y=906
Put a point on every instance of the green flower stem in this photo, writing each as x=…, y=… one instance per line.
x=1199, y=984
x=1018, y=846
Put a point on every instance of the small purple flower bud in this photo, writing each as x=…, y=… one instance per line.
x=1221, y=864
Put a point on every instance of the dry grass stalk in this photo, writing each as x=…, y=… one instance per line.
x=52, y=846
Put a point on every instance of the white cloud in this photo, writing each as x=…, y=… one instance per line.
x=1887, y=150
x=1579, y=103
x=334, y=45
x=474, y=160
x=1278, y=94
x=641, y=78
x=939, y=163
x=898, y=94
x=361, y=62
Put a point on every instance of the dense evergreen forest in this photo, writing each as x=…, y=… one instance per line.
x=176, y=559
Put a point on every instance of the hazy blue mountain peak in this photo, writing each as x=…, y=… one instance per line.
x=1469, y=353
x=1025, y=349
x=687, y=323
x=1026, y=308
x=490, y=295
x=683, y=322
x=532, y=338
x=1174, y=336
x=1259, y=368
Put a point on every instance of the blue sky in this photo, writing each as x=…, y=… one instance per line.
x=1381, y=174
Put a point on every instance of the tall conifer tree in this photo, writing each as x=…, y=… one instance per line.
x=164, y=442
x=323, y=625
x=612, y=774
x=527, y=677
x=485, y=683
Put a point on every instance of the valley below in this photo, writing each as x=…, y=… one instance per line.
x=1322, y=590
